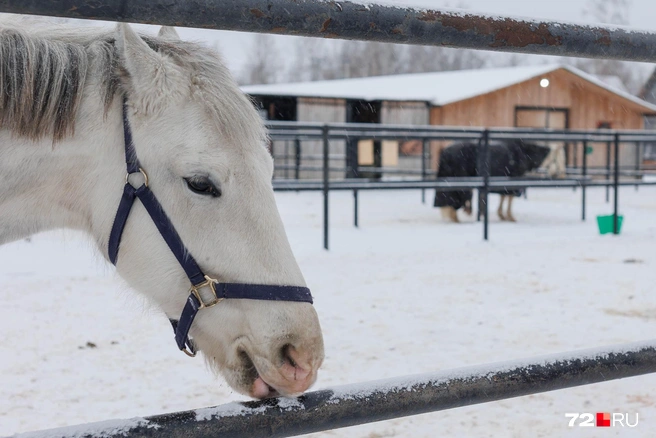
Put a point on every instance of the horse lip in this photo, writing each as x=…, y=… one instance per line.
x=273, y=392
x=250, y=367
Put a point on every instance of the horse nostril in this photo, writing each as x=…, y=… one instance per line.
x=296, y=364
x=286, y=355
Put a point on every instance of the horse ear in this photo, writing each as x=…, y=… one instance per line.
x=138, y=58
x=152, y=78
x=168, y=33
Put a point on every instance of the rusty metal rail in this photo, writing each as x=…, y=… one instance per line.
x=376, y=401
x=350, y=20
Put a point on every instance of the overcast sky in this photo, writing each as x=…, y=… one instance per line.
x=236, y=46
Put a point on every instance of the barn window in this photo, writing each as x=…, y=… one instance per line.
x=541, y=117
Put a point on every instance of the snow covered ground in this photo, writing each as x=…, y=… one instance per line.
x=406, y=293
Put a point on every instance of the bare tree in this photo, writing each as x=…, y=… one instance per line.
x=420, y=59
x=264, y=65
x=358, y=59
x=372, y=58
x=316, y=59
x=608, y=11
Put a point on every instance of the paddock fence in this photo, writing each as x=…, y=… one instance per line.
x=291, y=137
x=346, y=406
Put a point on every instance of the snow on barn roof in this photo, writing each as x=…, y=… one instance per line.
x=438, y=88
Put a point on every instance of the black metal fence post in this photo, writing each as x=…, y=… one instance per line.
x=351, y=158
x=326, y=184
x=286, y=158
x=616, y=187
x=638, y=163
x=584, y=176
x=486, y=182
x=607, y=171
x=355, y=208
x=575, y=161
x=297, y=159
x=423, y=168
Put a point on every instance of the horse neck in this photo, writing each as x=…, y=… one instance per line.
x=74, y=183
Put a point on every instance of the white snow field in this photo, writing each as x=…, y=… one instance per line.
x=406, y=293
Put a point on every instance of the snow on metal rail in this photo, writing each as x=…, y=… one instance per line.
x=364, y=21
x=381, y=400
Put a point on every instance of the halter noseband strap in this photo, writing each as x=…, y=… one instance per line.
x=199, y=281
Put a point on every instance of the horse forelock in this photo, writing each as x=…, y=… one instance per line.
x=44, y=72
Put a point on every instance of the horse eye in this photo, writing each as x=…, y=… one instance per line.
x=202, y=186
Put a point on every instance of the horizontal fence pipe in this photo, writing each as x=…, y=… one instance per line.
x=336, y=185
x=309, y=168
x=410, y=172
x=348, y=126
x=404, y=132
x=358, y=21
x=392, y=170
x=386, y=399
x=310, y=157
x=352, y=127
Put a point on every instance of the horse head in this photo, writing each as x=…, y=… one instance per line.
x=555, y=160
x=550, y=157
x=202, y=144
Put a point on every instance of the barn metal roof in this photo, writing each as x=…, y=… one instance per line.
x=438, y=88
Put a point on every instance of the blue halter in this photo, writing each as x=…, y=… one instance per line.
x=199, y=281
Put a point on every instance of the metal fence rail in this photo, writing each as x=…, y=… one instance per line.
x=352, y=20
x=376, y=401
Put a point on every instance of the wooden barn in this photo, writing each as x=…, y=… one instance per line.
x=544, y=96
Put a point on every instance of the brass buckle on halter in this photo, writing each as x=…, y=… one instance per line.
x=188, y=353
x=211, y=282
x=191, y=352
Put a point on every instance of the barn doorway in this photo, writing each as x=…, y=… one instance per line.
x=362, y=152
x=276, y=108
x=549, y=118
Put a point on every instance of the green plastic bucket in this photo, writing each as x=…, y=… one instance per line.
x=605, y=224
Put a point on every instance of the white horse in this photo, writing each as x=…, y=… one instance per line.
x=203, y=145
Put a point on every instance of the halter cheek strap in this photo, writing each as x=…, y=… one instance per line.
x=199, y=281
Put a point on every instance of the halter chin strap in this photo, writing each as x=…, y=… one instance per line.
x=214, y=292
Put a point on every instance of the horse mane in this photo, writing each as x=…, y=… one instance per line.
x=44, y=71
